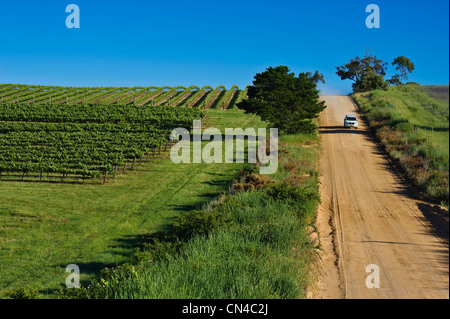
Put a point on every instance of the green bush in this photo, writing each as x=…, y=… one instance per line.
x=370, y=81
x=437, y=186
x=401, y=124
x=159, y=245
x=379, y=114
x=303, y=199
x=155, y=250
x=198, y=223
x=21, y=293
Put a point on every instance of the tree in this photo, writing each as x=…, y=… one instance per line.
x=316, y=77
x=394, y=80
x=404, y=66
x=358, y=67
x=369, y=82
x=284, y=100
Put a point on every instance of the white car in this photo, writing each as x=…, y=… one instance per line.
x=351, y=121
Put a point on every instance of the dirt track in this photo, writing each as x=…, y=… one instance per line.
x=369, y=216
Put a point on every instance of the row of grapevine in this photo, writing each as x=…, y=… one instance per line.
x=195, y=100
x=84, y=140
x=167, y=92
x=183, y=98
x=147, y=96
x=193, y=96
x=213, y=96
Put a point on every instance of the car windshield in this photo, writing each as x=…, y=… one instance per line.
x=351, y=118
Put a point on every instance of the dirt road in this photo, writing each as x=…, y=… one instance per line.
x=369, y=218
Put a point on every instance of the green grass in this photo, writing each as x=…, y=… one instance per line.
x=245, y=245
x=44, y=227
x=229, y=264
x=412, y=122
x=414, y=104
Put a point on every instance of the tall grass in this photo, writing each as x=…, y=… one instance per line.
x=264, y=256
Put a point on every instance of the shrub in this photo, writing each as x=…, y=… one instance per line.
x=21, y=293
x=155, y=249
x=303, y=199
x=401, y=124
x=248, y=169
x=388, y=136
x=296, y=180
x=256, y=181
x=437, y=186
x=250, y=181
x=198, y=223
x=291, y=165
x=379, y=114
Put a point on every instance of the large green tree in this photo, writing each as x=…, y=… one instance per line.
x=285, y=101
x=359, y=69
x=370, y=81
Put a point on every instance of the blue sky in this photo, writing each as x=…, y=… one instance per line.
x=144, y=43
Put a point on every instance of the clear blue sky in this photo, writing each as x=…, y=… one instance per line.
x=144, y=43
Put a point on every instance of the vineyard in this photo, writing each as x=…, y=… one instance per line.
x=193, y=96
x=80, y=134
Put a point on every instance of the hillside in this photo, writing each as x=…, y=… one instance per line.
x=192, y=96
x=412, y=123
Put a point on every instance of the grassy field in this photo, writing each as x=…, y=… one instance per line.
x=412, y=122
x=44, y=227
x=254, y=242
